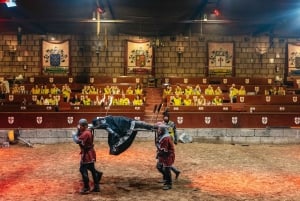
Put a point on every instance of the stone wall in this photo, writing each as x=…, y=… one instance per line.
x=251, y=55
x=228, y=136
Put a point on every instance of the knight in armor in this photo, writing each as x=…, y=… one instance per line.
x=84, y=137
x=121, y=131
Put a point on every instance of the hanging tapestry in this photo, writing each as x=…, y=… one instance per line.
x=55, y=57
x=139, y=57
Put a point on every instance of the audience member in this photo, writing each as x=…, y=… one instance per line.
x=129, y=90
x=54, y=90
x=137, y=101
x=233, y=92
x=217, y=100
x=187, y=101
x=74, y=100
x=209, y=90
x=66, y=92
x=138, y=89
x=218, y=91
x=197, y=90
x=242, y=91
x=35, y=90
x=201, y=101
x=124, y=100
x=176, y=100
x=178, y=90
x=188, y=90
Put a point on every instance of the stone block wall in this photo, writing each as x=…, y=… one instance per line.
x=252, y=55
x=211, y=135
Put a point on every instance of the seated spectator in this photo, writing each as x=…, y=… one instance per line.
x=138, y=89
x=176, y=101
x=5, y=86
x=188, y=90
x=201, y=100
x=44, y=90
x=209, y=90
x=137, y=101
x=66, y=92
x=281, y=91
x=86, y=101
x=54, y=90
x=36, y=90
x=93, y=90
x=107, y=90
x=242, y=91
x=85, y=89
x=115, y=101
x=129, y=91
x=273, y=91
x=15, y=89
x=167, y=91
x=218, y=91
x=75, y=100
x=40, y=100
x=233, y=92
x=115, y=90
x=217, y=100
x=187, y=101
x=178, y=90
x=49, y=100
x=124, y=100
x=197, y=90
x=99, y=101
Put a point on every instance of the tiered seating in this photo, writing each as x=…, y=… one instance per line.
x=17, y=109
x=258, y=108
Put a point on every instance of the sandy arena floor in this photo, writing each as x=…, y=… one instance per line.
x=209, y=172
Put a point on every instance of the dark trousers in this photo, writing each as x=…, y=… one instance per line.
x=166, y=172
x=84, y=167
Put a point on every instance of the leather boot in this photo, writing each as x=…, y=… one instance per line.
x=97, y=178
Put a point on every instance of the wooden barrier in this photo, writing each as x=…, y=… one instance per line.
x=80, y=79
x=227, y=107
x=55, y=119
x=234, y=119
x=219, y=80
x=272, y=108
x=273, y=99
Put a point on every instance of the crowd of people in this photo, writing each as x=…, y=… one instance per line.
x=195, y=96
x=89, y=94
x=178, y=95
